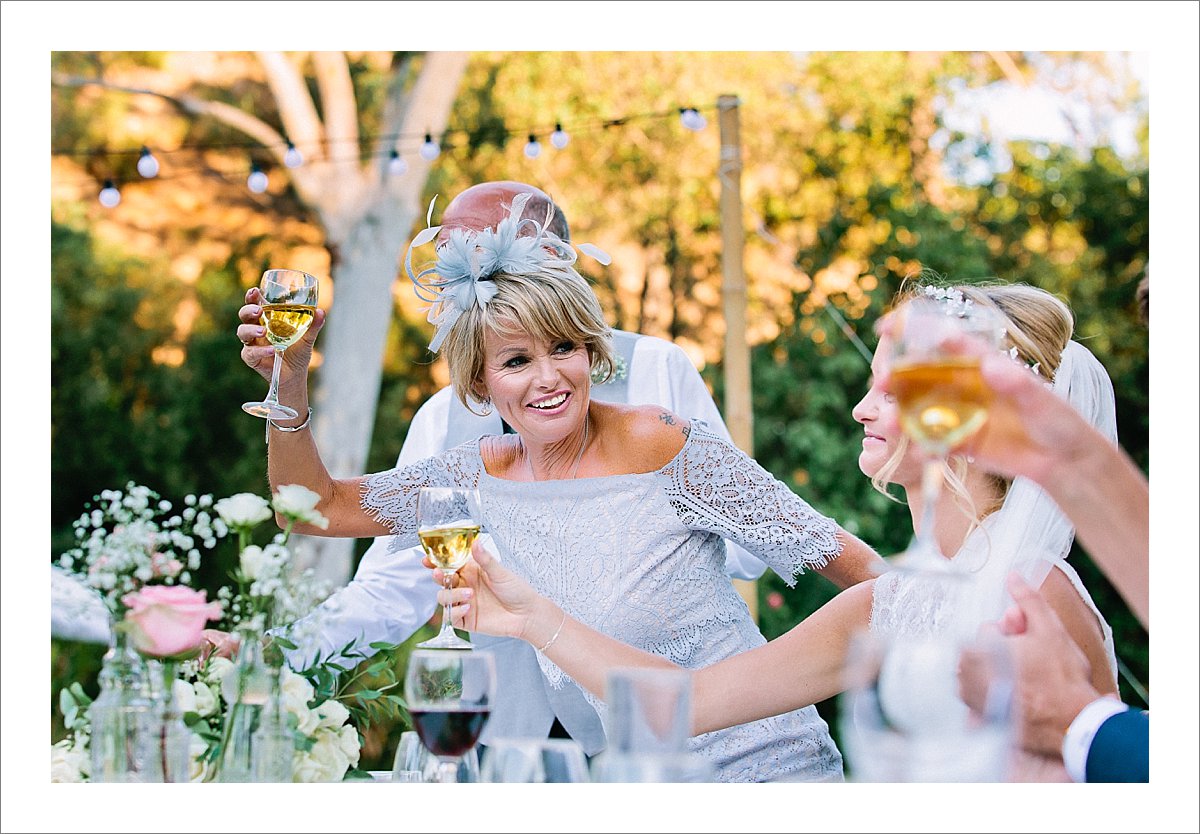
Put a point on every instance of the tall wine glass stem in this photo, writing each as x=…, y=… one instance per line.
x=447, y=629
x=276, y=366
x=927, y=550
x=447, y=770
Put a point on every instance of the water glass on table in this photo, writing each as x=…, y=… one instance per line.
x=527, y=760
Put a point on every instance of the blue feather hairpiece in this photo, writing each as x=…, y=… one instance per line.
x=468, y=259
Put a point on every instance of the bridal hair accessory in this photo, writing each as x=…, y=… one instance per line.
x=953, y=301
x=468, y=259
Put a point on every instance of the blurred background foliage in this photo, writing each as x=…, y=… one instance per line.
x=853, y=178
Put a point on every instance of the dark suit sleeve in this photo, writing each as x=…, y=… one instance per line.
x=1120, y=750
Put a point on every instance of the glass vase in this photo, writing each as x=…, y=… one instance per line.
x=172, y=736
x=273, y=745
x=252, y=690
x=124, y=718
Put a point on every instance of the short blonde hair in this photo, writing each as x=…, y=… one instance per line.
x=551, y=305
x=1039, y=325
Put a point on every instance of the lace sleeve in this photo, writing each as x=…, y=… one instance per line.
x=715, y=486
x=391, y=497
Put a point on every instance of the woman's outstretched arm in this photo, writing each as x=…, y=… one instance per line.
x=797, y=669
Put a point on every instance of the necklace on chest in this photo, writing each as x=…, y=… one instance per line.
x=578, y=457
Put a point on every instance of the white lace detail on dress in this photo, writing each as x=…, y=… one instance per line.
x=715, y=486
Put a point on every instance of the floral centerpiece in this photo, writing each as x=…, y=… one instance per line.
x=138, y=555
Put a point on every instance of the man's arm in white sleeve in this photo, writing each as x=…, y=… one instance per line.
x=664, y=375
x=392, y=594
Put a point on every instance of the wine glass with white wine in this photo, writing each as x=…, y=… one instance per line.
x=448, y=521
x=940, y=395
x=289, y=304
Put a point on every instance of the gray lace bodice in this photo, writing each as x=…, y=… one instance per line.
x=640, y=557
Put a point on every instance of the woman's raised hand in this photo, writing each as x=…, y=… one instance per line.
x=257, y=352
x=491, y=599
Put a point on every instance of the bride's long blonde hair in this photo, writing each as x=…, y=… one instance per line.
x=1039, y=325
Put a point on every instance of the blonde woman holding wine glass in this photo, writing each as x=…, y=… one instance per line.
x=619, y=513
x=990, y=525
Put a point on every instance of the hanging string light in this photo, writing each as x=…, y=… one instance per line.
x=559, y=137
x=691, y=118
x=292, y=158
x=147, y=165
x=257, y=181
x=533, y=147
x=109, y=195
x=430, y=149
x=396, y=165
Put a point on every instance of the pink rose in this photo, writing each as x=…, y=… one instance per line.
x=166, y=620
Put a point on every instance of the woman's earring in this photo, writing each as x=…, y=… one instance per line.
x=487, y=406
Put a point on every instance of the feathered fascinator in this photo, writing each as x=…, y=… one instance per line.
x=467, y=260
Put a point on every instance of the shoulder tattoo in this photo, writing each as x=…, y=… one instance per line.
x=669, y=419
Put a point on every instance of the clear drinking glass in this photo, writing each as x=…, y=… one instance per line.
x=449, y=697
x=927, y=709
x=649, y=710
x=289, y=302
x=530, y=760
x=448, y=521
x=941, y=397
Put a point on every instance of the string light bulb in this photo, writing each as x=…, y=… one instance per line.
x=147, y=165
x=691, y=118
x=109, y=195
x=533, y=147
x=396, y=165
x=257, y=181
x=430, y=150
x=292, y=158
x=559, y=137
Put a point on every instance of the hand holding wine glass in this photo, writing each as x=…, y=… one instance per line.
x=288, y=311
x=448, y=520
x=449, y=697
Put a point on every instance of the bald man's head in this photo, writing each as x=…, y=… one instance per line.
x=483, y=206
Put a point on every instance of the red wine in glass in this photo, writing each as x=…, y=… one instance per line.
x=449, y=732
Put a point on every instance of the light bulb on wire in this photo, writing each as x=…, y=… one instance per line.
x=533, y=147
x=147, y=165
x=430, y=150
x=109, y=195
x=396, y=165
x=691, y=118
x=292, y=158
x=257, y=181
x=559, y=137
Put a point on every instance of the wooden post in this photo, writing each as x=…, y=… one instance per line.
x=738, y=412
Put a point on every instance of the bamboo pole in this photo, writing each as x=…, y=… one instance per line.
x=738, y=412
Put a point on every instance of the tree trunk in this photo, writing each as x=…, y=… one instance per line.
x=368, y=262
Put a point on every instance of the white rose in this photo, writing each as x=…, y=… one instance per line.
x=184, y=696
x=332, y=714
x=251, y=561
x=217, y=669
x=66, y=763
x=348, y=740
x=206, y=699
x=243, y=510
x=300, y=504
x=325, y=762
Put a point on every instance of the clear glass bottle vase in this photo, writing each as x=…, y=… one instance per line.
x=251, y=691
x=273, y=745
x=173, y=739
x=124, y=718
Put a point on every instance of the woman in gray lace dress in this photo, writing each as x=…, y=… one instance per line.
x=615, y=512
x=991, y=524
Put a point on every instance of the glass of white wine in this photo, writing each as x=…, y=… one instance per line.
x=289, y=303
x=940, y=395
x=448, y=521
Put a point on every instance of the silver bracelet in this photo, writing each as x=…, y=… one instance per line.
x=557, y=632
x=303, y=425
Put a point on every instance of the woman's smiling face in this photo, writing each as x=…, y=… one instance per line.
x=539, y=388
